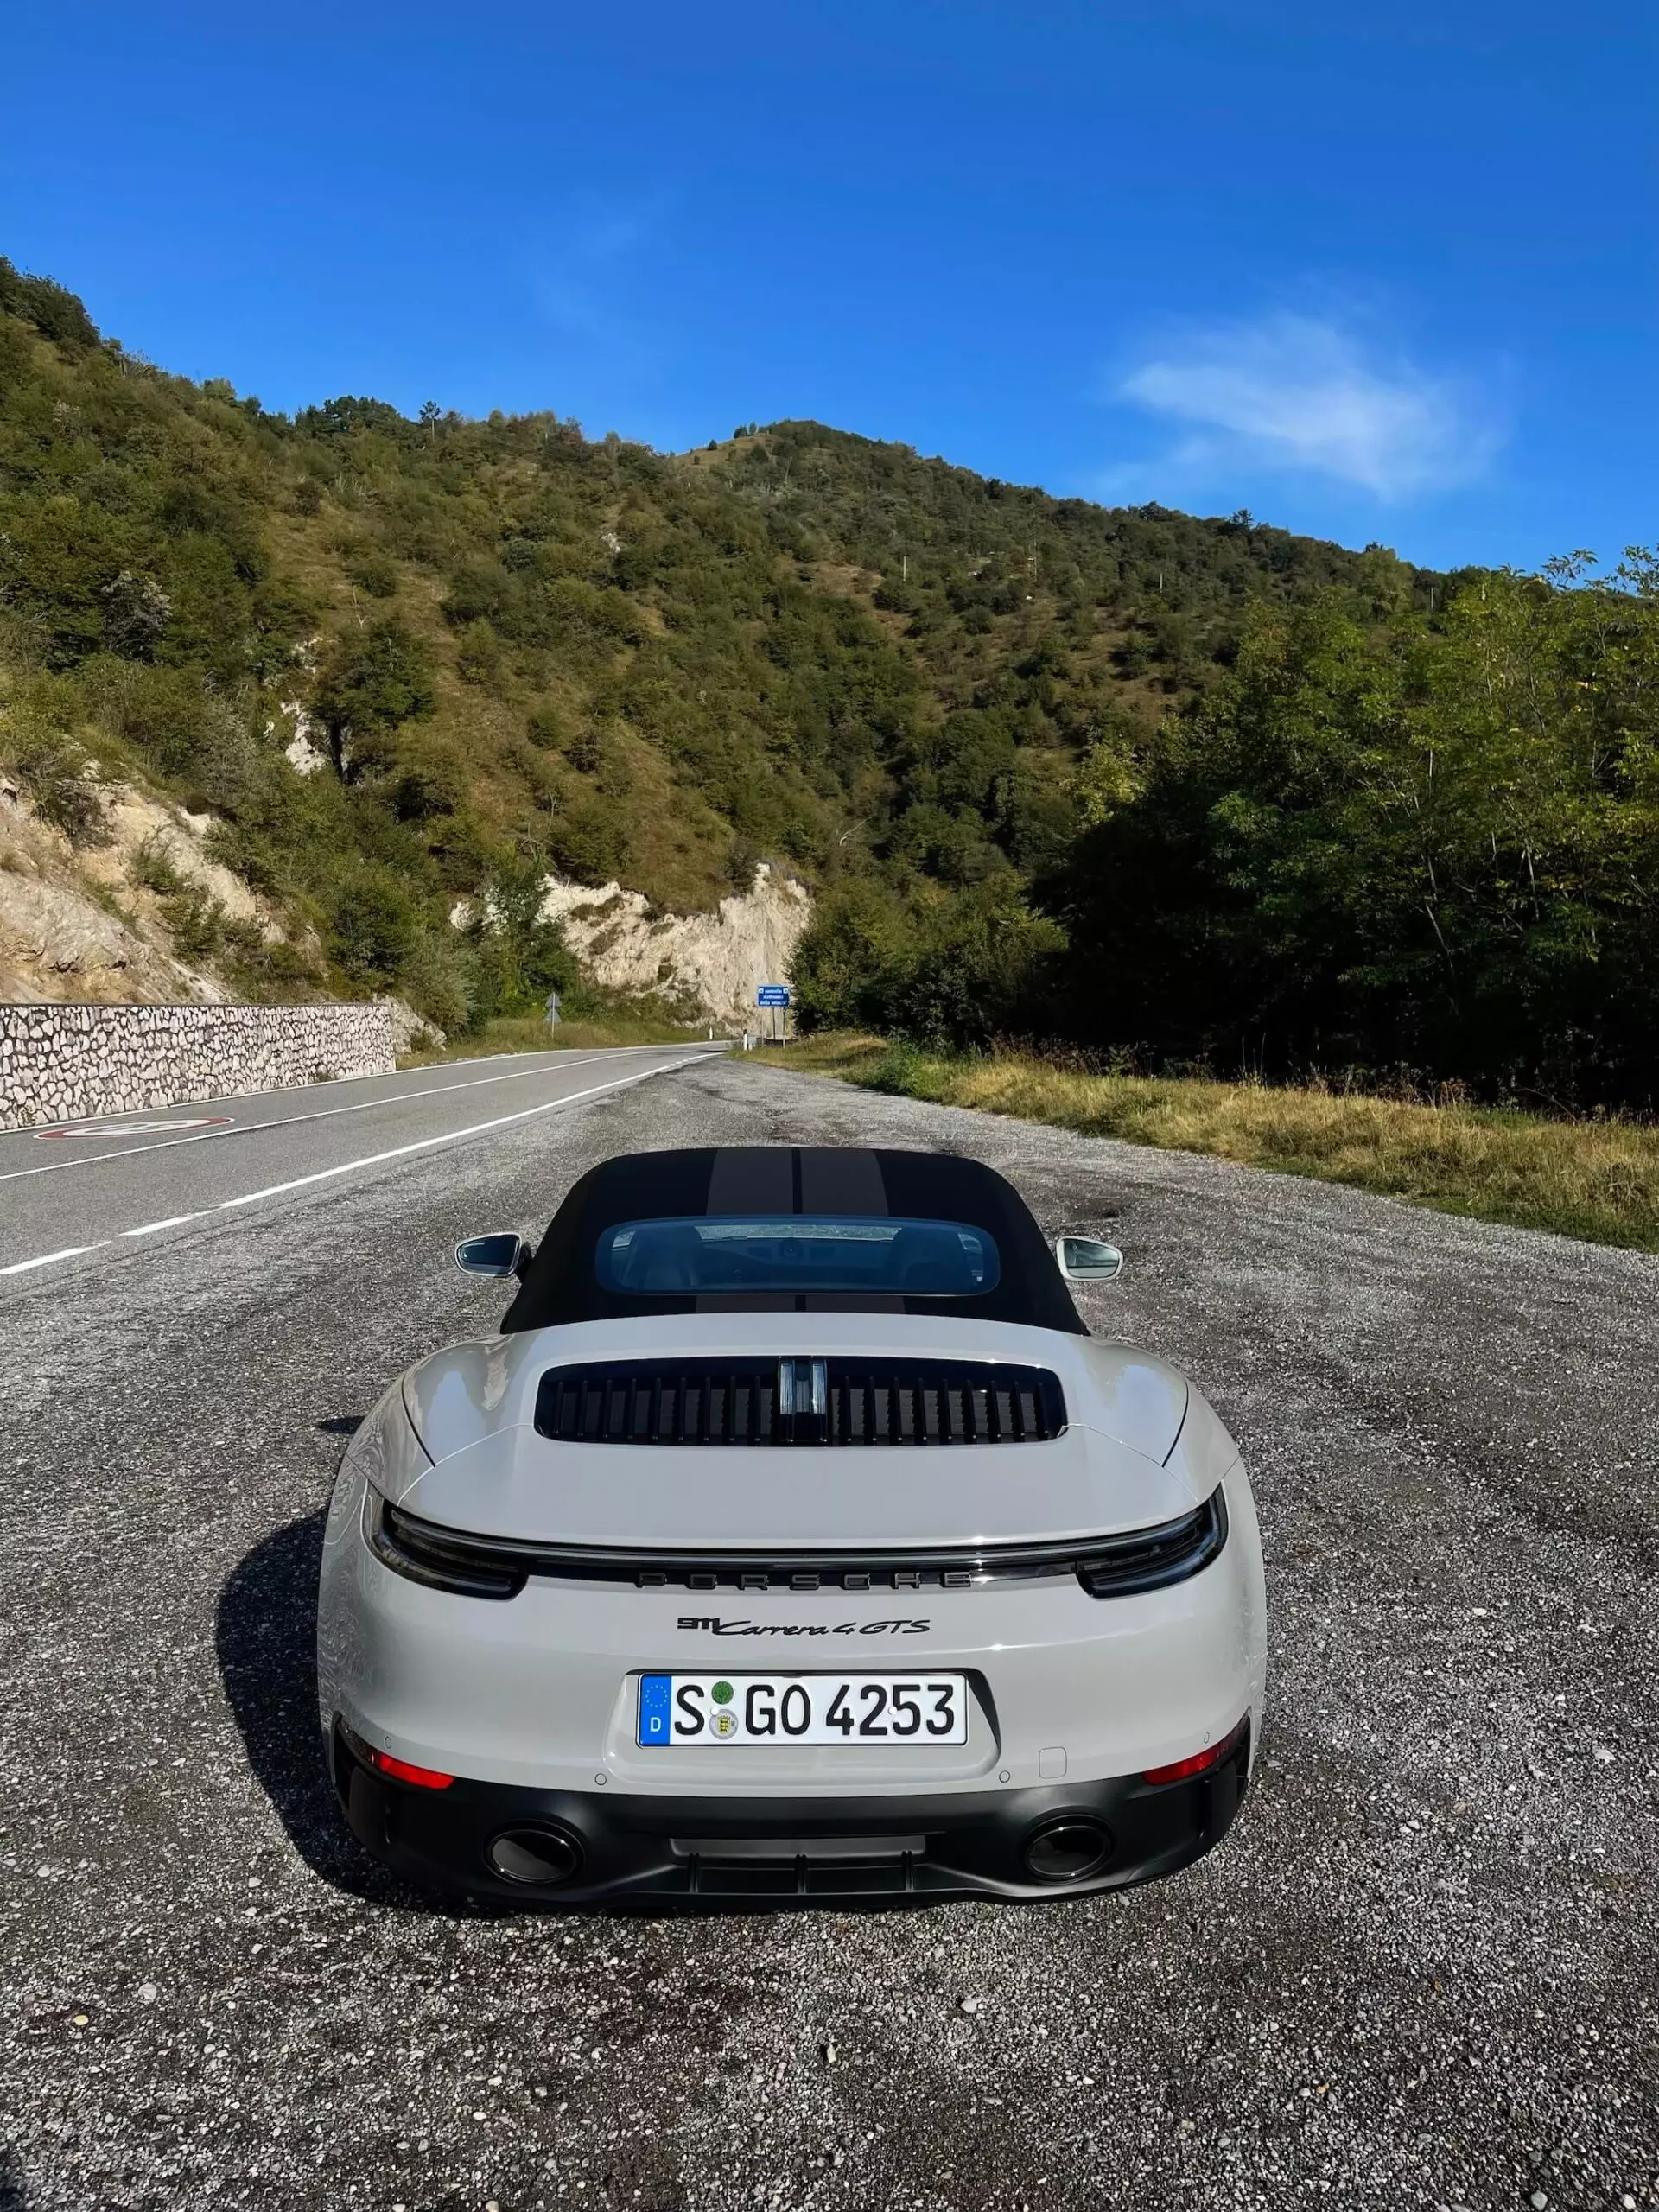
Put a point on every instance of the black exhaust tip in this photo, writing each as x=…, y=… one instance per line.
x=1068, y=1850
x=537, y=1858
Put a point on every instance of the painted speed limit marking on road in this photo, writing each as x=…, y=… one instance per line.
x=137, y=1128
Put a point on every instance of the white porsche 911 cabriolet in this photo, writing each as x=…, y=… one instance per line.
x=793, y=1541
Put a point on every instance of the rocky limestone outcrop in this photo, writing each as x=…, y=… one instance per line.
x=59, y=933
x=719, y=961
x=138, y=823
x=59, y=940
x=411, y=1031
x=80, y=923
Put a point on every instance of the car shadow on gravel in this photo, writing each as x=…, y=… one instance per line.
x=266, y=1639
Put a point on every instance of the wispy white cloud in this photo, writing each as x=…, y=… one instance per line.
x=1312, y=394
x=586, y=279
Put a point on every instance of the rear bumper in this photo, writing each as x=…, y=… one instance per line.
x=677, y=1852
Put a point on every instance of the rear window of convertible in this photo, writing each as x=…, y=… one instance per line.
x=798, y=1253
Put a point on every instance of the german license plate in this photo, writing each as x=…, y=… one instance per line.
x=776, y=1709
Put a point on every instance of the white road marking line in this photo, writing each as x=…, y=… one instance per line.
x=47, y=1259
x=369, y=1160
x=450, y=1136
x=322, y=1114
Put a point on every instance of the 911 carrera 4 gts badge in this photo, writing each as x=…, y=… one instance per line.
x=712, y=1624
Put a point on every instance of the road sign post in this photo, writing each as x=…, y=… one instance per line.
x=775, y=995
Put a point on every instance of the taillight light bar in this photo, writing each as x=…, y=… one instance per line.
x=1153, y=1559
x=1199, y=1762
x=420, y=1553
x=387, y=1763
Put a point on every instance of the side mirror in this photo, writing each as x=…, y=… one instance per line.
x=1084, y=1259
x=504, y=1253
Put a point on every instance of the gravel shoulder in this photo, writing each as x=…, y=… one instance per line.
x=1420, y=1971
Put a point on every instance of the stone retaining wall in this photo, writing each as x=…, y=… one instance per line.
x=58, y=1062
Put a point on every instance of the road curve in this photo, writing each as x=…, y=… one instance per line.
x=1420, y=1971
x=76, y=1187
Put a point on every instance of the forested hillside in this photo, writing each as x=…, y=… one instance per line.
x=1188, y=789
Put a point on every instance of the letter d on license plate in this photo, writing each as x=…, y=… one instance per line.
x=781, y=1709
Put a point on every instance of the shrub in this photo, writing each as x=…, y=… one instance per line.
x=153, y=870
x=985, y=964
x=518, y=956
x=189, y=732
x=588, y=842
x=741, y=862
x=369, y=683
x=547, y=726
x=54, y=771
x=373, y=927
x=239, y=847
x=370, y=570
x=135, y=613
x=196, y=922
x=159, y=712
x=960, y=971
x=263, y=968
x=435, y=975
x=54, y=312
x=479, y=656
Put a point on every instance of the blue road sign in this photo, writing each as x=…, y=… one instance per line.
x=772, y=995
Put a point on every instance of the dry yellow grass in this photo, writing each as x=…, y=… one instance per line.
x=1598, y=1180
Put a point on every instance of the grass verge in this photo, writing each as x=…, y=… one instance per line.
x=1597, y=1179
x=530, y=1033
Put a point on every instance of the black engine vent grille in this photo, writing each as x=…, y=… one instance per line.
x=800, y=1402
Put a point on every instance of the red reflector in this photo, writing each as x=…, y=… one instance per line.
x=1200, y=1763
x=423, y=1777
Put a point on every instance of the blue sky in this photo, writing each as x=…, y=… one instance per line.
x=1371, y=270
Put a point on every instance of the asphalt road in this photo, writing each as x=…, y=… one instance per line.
x=1421, y=1971
x=67, y=1189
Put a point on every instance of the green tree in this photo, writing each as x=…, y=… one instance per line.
x=518, y=955
x=369, y=682
x=373, y=926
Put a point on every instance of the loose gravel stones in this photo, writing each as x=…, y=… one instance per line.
x=1419, y=1972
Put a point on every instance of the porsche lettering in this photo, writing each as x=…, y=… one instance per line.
x=767, y=1582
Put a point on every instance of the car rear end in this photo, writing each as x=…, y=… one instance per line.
x=647, y=1615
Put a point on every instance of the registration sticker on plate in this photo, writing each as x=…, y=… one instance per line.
x=802, y=1709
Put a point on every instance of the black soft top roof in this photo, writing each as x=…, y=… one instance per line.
x=562, y=1286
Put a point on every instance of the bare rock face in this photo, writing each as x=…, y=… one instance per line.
x=59, y=941
x=137, y=823
x=55, y=942
x=79, y=924
x=56, y=929
x=720, y=960
x=411, y=1031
